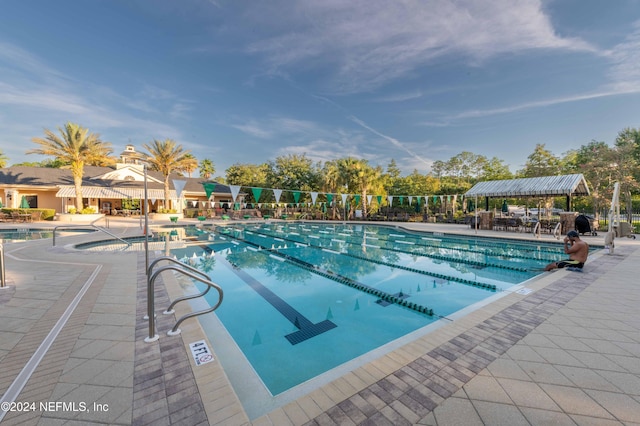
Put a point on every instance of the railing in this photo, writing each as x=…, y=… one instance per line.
x=187, y=271
x=93, y=226
x=2, y=274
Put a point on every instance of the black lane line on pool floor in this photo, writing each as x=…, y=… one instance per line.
x=306, y=329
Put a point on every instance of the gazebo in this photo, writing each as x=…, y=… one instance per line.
x=546, y=186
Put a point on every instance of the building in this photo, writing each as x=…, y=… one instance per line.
x=109, y=190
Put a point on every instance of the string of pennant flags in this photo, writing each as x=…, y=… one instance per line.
x=257, y=193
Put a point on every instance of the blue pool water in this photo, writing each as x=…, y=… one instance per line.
x=301, y=299
x=26, y=234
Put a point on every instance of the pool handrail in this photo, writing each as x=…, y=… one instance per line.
x=92, y=225
x=170, y=309
x=187, y=270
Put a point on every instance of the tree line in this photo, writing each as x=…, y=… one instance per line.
x=601, y=164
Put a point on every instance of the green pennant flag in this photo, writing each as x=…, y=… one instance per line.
x=379, y=198
x=401, y=199
x=296, y=196
x=256, y=193
x=329, y=198
x=357, y=198
x=209, y=187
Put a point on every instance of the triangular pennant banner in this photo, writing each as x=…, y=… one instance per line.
x=401, y=199
x=256, y=193
x=357, y=197
x=235, y=189
x=379, y=198
x=195, y=203
x=277, y=193
x=411, y=200
x=209, y=188
x=369, y=198
x=178, y=185
x=390, y=199
x=330, y=198
x=296, y=196
x=314, y=196
x=344, y=198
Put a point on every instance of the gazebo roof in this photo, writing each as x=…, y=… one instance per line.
x=531, y=187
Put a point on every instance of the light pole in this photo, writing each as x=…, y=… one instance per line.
x=146, y=223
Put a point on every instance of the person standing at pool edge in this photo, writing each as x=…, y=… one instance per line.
x=578, y=251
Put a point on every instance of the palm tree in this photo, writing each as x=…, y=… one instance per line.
x=167, y=157
x=3, y=160
x=75, y=147
x=191, y=165
x=207, y=168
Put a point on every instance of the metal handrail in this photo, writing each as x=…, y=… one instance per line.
x=128, y=243
x=170, y=309
x=185, y=270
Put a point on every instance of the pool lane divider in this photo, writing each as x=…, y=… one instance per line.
x=384, y=297
x=431, y=255
x=485, y=286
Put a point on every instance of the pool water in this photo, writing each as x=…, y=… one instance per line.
x=301, y=299
x=26, y=234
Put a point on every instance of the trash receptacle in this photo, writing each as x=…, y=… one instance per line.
x=623, y=230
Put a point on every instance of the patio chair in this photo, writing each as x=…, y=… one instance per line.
x=15, y=217
x=36, y=216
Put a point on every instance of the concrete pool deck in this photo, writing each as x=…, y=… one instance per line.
x=564, y=350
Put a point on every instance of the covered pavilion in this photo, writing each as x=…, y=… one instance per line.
x=545, y=186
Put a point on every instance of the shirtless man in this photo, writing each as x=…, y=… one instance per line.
x=578, y=251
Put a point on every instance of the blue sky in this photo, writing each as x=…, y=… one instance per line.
x=247, y=81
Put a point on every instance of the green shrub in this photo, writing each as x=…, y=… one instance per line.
x=162, y=210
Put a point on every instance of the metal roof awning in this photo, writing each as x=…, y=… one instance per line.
x=114, y=192
x=545, y=186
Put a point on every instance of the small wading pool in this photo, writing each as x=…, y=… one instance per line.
x=26, y=234
x=301, y=298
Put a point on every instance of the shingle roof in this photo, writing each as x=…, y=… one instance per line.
x=529, y=187
x=51, y=177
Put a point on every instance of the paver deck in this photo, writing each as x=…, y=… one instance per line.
x=72, y=351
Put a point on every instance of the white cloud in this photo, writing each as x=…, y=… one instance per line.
x=368, y=43
x=625, y=70
x=275, y=127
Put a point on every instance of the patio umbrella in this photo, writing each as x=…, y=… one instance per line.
x=1, y=206
x=505, y=206
x=24, y=204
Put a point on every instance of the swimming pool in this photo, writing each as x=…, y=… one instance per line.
x=305, y=303
x=301, y=299
x=26, y=234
